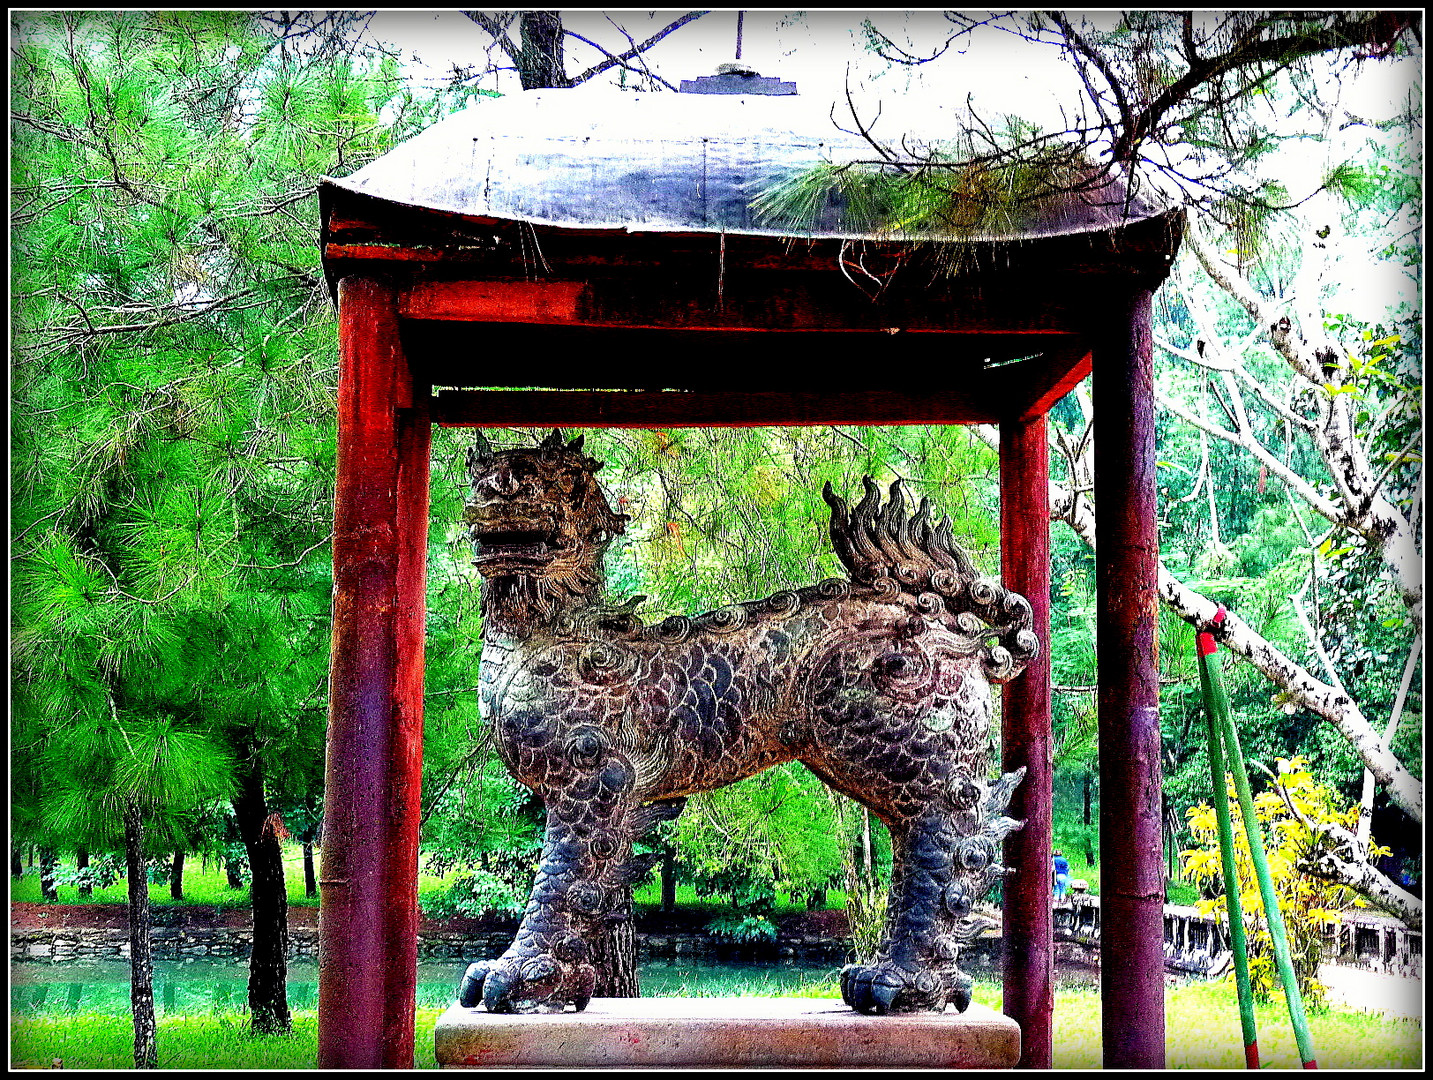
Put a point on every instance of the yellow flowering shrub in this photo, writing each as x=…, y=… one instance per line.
x=1289, y=817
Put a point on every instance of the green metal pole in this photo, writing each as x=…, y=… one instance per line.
x=1275, y=919
x=1216, y=706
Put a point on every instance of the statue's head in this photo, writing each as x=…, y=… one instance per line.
x=538, y=520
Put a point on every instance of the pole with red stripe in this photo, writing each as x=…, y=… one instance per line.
x=1216, y=702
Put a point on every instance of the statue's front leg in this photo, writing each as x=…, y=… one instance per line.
x=587, y=869
x=549, y=962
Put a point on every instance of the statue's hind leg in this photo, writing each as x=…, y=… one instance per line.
x=941, y=867
x=586, y=864
x=901, y=723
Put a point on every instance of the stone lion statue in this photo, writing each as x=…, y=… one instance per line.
x=880, y=684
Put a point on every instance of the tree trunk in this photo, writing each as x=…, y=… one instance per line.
x=141, y=964
x=47, y=875
x=176, y=876
x=1089, y=843
x=614, y=952
x=1365, y=803
x=17, y=863
x=1167, y=826
x=82, y=862
x=869, y=853
x=669, y=880
x=231, y=874
x=268, y=960
x=1403, y=788
x=541, y=61
x=310, y=881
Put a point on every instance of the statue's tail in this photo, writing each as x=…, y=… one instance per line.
x=886, y=549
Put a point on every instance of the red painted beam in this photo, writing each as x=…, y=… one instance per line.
x=1026, y=740
x=495, y=301
x=373, y=768
x=1030, y=388
x=1131, y=776
x=664, y=409
x=778, y=302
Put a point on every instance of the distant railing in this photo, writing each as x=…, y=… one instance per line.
x=1376, y=943
x=1198, y=943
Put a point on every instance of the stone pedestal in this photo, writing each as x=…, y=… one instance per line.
x=746, y=1032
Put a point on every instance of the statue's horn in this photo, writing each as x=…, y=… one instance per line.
x=553, y=441
x=481, y=448
x=576, y=444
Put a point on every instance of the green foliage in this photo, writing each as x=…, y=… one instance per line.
x=773, y=831
x=958, y=190
x=490, y=826
x=867, y=902
x=103, y=872
x=95, y=772
x=173, y=378
x=474, y=894
x=742, y=928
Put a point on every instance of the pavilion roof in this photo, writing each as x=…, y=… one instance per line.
x=600, y=158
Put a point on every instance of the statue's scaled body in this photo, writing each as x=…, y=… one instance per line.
x=879, y=684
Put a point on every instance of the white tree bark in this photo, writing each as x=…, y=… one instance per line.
x=1357, y=502
x=1308, y=691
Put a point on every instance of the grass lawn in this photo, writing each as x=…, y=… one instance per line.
x=1202, y=1032
x=649, y=897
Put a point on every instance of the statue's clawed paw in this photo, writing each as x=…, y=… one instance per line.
x=527, y=983
x=885, y=987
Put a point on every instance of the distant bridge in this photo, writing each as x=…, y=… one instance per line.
x=1199, y=944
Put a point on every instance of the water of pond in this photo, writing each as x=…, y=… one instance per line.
x=205, y=985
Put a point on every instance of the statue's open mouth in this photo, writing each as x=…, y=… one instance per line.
x=513, y=549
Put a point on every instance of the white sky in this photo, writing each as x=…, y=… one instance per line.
x=815, y=51
x=824, y=52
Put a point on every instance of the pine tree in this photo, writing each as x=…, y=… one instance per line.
x=173, y=384
x=135, y=782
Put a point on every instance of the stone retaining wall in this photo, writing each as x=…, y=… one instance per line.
x=173, y=943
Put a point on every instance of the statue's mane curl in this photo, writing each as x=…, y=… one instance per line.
x=890, y=551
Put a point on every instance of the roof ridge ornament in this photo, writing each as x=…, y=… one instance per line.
x=735, y=77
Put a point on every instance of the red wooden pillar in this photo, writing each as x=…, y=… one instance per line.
x=368, y=894
x=1131, y=777
x=1026, y=739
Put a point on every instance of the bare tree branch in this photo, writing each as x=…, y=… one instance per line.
x=636, y=50
x=1311, y=693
